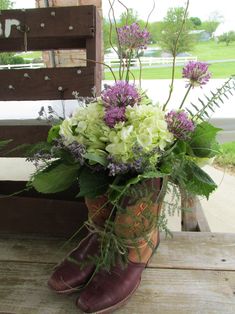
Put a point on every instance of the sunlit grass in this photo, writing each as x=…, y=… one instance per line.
x=219, y=70
x=227, y=156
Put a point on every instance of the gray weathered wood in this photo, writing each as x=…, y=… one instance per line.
x=23, y=290
x=203, y=225
x=190, y=250
x=187, y=250
x=193, y=217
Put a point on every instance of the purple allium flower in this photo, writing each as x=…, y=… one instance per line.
x=132, y=37
x=78, y=151
x=121, y=94
x=114, y=115
x=197, y=73
x=180, y=124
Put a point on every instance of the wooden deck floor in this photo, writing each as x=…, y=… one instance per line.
x=191, y=273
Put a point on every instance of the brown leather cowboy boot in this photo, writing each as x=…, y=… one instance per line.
x=69, y=276
x=107, y=291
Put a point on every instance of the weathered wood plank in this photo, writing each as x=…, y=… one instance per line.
x=10, y=187
x=196, y=250
x=20, y=135
x=193, y=217
x=185, y=251
x=44, y=27
x=41, y=216
x=23, y=291
x=188, y=213
x=46, y=83
x=203, y=225
x=94, y=52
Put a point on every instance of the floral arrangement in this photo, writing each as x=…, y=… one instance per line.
x=123, y=137
x=115, y=146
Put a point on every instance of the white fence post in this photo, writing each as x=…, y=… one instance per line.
x=151, y=61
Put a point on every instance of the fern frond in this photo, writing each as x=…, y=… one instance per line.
x=215, y=100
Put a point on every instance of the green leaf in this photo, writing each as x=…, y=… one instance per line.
x=146, y=175
x=55, y=178
x=31, y=149
x=53, y=133
x=4, y=143
x=180, y=147
x=118, y=190
x=93, y=184
x=95, y=158
x=197, y=181
x=203, y=141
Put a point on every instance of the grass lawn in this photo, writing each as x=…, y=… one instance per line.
x=219, y=70
x=212, y=51
x=31, y=55
x=227, y=157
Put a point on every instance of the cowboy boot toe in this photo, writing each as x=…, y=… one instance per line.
x=109, y=290
x=71, y=275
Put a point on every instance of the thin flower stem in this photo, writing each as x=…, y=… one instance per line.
x=128, y=67
x=111, y=28
x=127, y=10
x=150, y=13
x=140, y=71
x=186, y=95
x=119, y=50
x=174, y=55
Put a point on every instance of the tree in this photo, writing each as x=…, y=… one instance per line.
x=227, y=37
x=171, y=27
x=196, y=22
x=5, y=57
x=155, y=29
x=106, y=34
x=5, y=4
x=210, y=26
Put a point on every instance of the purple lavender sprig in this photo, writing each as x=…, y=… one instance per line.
x=180, y=124
x=77, y=151
x=140, y=164
x=197, y=73
x=39, y=157
x=116, y=168
x=132, y=37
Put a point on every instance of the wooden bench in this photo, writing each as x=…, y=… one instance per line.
x=190, y=274
x=45, y=29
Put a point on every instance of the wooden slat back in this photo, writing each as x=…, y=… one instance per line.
x=22, y=134
x=46, y=83
x=47, y=28
x=51, y=28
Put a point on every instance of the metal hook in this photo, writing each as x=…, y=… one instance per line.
x=11, y=87
x=27, y=75
x=46, y=78
x=24, y=29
